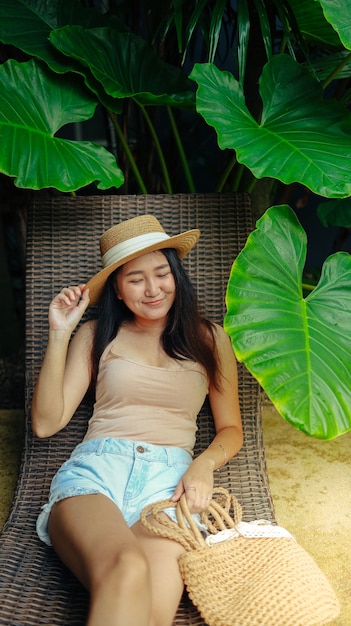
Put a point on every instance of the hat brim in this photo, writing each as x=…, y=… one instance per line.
x=182, y=243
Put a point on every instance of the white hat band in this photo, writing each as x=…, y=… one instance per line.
x=130, y=246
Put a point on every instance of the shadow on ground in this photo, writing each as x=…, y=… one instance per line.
x=311, y=488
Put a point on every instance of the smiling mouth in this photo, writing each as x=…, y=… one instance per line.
x=155, y=303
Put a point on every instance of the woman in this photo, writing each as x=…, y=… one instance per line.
x=150, y=359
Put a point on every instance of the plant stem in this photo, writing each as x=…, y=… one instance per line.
x=238, y=177
x=251, y=185
x=129, y=154
x=223, y=179
x=307, y=287
x=166, y=178
x=335, y=72
x=183, y=159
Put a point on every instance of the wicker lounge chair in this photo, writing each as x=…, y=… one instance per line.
x=35, y=588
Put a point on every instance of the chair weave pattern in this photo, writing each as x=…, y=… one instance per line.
x=63, y=249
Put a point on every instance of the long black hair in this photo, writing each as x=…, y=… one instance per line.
x=187, y=335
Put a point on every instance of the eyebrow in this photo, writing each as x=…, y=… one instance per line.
x=156, y=269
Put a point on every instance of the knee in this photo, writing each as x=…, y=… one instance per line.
x=133, y=566
x=126, y=570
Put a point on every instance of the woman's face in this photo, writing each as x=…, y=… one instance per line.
x=147, y=287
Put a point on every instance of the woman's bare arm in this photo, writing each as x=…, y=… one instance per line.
x=65, y=373
x=197, y=482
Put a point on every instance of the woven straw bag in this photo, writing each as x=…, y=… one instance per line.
x=264, y=578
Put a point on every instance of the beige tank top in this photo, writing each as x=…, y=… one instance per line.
x=146, y=403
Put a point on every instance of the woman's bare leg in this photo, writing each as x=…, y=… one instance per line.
x=166, y=581
x=91, y=537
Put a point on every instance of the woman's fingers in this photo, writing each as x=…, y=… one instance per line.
x=68, y=306
x=198, y=499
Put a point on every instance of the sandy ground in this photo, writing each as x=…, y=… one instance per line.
x=11, y=437
x=311, y=488
x=310, y=483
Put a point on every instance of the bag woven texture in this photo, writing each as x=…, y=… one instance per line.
x=244, y=581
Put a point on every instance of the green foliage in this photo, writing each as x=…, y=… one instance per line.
x=298, y=348
x=38, y=159
x=337, y=13
x=113, y=63
x=290, y=141
x=297, y=136
x=124, y=66
x=313, y=24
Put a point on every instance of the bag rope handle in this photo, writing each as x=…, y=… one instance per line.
x=220, y=512
x=186, y=531
x=166, y=527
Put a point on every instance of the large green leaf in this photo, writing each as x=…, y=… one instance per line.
x=125, y=65
x=337, y=12
x=34, y=105
x=27, y=24
x=312, y=23
x=297, y=348
x=301, y=138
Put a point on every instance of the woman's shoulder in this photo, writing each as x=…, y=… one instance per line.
x=216, y=330
x=220, y=332
x=219, y=337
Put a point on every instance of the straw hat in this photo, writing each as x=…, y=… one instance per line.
x=133, y=238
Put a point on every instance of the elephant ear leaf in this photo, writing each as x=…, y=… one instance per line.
x=297, y=348
x=296, y=124
x=337, y=13
x=34, y=105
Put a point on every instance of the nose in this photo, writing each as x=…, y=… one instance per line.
x=151, y=288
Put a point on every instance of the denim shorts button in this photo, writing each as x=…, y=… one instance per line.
x=140, y=449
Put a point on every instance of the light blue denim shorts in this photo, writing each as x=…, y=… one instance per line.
x=131, y=473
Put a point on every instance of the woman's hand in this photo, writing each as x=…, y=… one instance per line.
x=197, y=484
x=68, y=307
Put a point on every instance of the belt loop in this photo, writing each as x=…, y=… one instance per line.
x=169, y=453
x=100, y=447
